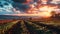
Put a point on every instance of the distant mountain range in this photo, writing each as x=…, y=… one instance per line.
x=8, y=17
x=2, y=17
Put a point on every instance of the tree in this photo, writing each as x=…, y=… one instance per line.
x=53, y=13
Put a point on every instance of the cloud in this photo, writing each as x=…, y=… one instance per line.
x=19, y=1
x=16, y=6
x=55, y=1
x=7, y=8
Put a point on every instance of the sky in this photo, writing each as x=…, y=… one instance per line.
x=20, y=6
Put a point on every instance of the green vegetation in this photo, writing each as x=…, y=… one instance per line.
x=25, y=27
x=7, y=26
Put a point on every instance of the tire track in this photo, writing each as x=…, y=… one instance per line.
x=25, y=30
x=15, y=29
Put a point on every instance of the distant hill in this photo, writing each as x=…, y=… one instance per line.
x=13, y=17
x=8, y=17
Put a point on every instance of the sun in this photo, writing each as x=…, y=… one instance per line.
x=44, y=11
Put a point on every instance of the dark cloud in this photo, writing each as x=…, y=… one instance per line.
x=49, y=1
x=19, y=1
x=20, y=6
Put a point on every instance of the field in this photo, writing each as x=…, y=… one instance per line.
x=30, y=26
